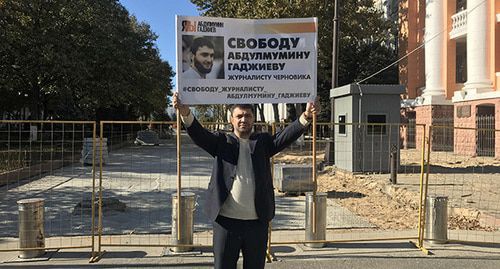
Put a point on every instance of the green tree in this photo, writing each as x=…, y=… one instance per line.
x=79, y=59
x=363, y=45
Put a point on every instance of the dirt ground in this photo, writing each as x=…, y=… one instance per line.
x=397, y=206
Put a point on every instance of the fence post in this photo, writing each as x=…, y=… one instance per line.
x=394, y=164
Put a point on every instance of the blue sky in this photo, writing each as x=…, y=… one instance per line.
x=160, y=15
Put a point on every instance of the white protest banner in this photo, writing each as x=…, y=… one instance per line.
x=234, y=61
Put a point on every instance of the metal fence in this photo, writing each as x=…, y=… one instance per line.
x=411, y=133
x=138, y=176
x=469, y=178
x=138, y=180
x=442, y=138
x=51, y=160
x=139, y=168
x=485, y=136
x=362, y=204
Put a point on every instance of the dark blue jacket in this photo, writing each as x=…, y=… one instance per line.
x=224, y=148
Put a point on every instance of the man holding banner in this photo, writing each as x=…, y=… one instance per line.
x=262, y=61
x=240, y=194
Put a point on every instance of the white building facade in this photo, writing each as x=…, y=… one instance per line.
x=455, y=71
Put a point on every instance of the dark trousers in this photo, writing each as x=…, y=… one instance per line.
x=233, y=235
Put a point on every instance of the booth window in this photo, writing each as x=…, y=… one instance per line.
x=376, y=124
x=342, y=124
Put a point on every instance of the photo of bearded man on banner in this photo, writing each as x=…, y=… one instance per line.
x=202, y=57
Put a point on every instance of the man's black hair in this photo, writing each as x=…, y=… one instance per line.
x=242, y=106
x=201, y=42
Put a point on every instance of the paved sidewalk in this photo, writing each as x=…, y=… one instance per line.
x=382, y=255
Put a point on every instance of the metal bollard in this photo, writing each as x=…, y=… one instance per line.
x=436, y=219
x=320, y=231
x=31, y=231
x=188, y=202
x=394, y=165
x=330, y=152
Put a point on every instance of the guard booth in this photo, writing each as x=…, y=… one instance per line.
x=366, y=118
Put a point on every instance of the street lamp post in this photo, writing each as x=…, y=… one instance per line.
x=329, y=156
x=335, y=49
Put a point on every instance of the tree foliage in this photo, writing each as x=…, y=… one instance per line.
x=364, y=35
x=79, y=59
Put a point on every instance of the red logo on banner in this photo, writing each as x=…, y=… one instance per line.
x=188, y=26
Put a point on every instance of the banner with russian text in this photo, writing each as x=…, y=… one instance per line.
x=234, y=61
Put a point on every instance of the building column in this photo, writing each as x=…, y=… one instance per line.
x=477, y=63
x=434, y=92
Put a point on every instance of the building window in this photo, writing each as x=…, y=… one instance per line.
x=376, y=124
x=461, y=5
x=342, y=124
x=461, y=65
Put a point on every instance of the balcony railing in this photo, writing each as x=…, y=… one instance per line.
x=459, y=24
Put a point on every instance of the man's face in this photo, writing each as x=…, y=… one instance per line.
x=242, y=121
x=204, y=59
